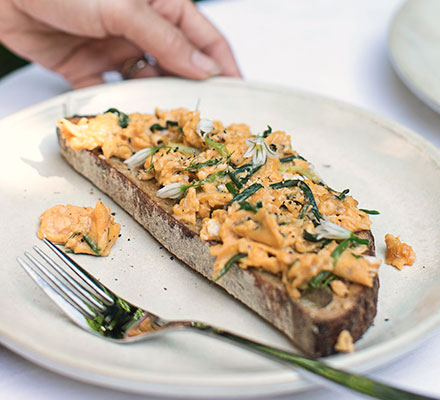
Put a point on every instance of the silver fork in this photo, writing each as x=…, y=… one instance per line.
x=98, y=310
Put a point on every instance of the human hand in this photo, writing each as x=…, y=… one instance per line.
x=82, y=39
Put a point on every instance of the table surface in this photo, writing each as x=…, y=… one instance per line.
x=338, y=49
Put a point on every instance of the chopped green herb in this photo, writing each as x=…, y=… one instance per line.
x=220, y=147
x=159, y=127
x=245, y=205
x=311, y=237
x=123, y=121
x=250, y=173
x=209, y=179
x=91, y=244
x=321, y=280
x=235, y=180
x=342, y=195
x=306, y=190
x=249, y=191
x=358, y=240
x=304, y=210
x=243, y=168
x=156, y=127
x=249, y=168
x=267, y=132
x=150, y=167
x=339, y=250
x=184, y=149
x=371, y=212
x=291, y=158
x=228, y=265
x=345, y=243
x=194, y=166
x=231, y=188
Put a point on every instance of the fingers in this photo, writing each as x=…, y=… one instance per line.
x=85, y=64
x=199, y=31
x=151, y=32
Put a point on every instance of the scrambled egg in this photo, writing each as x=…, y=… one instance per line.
x=268, y=228
x=398, y=253
x=80, y=229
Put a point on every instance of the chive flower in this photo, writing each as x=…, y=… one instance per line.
x=204, y=126
x=138, y=158
x=172, y=191
x=259, y=150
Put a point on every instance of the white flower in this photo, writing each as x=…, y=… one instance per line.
x=139, y=157
x=329, y=230
x=172, y=191
x=259, y=150
x=204, y=126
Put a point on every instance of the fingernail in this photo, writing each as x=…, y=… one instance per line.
x=206, y=65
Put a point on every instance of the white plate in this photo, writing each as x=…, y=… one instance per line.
x=386, y=166
x=414, y=47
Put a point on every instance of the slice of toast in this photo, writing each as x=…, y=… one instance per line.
x=313, y=322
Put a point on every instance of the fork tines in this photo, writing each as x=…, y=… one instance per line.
x=78, y=295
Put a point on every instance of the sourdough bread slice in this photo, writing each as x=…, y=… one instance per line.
x=313, y=322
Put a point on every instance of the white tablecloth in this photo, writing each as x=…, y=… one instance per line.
x=336, y=48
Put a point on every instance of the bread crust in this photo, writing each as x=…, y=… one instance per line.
x=312, y=322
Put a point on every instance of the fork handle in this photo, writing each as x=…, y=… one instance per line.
x=349, y=380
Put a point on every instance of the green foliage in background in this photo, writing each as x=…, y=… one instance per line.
x=8, y=61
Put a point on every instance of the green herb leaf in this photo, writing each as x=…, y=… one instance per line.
x=321, y=280
x=371, y=212
x=306, y=190
x=235, y=180
x=339, y=250
x=159, y=127
x=267, y=132
x=123, y=121
x=172, y=123
x=209, y=179
x=341, y=196
x=184, y=149
x=345, y=243
x=231, y=188
x=249, y=191
x=228, y=265
x=358, y=240
x=91, y=244
x=194, y=166
x=291, y=158
x=245, y=205
x=311, y=237
x=220, y=147
x=243, y=168
x=250, y=173
x=249, y=168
